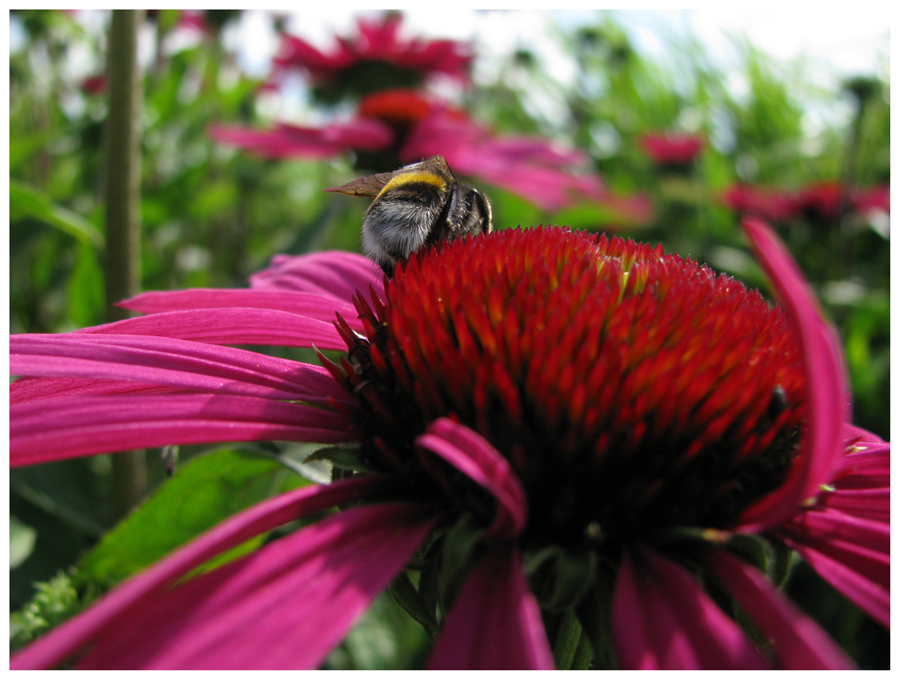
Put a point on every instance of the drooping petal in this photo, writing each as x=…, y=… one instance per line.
x=31, y=389
x=122, y=606
x=870, y=595
x=826, y=385
x=171, y=362
x=334, y=274
x=283, y=607
x=231, y=326
x=850, y=552
x=58, y=428
x=472, y=454
x=866, y=467
x=294, y=50
x=495, y=623
x=846, y=536
x=797, y=641
x=831, y=525
x=871, y=503
x=662, y=619
x=289, y=141
x=851, y=432
x=310, y=305
x=862, y=485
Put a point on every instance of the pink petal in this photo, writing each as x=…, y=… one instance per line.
x=170, y=362
x=871, y=596
x=54, y=429
x=870, y=503
x=662, y=619
x=868, y=466
x=798, y=642
x=473, y=455
x=287, y=141
x=850, y=552
x=851, y=432
x=122, y=606
x=822, y=440
x=334, y=274
x=294, y=51
x=231, y=326
x=831, y=525
x=495, y=623
x=283, y=607
x=873, y=563
x=31, y=389
x=310, y=305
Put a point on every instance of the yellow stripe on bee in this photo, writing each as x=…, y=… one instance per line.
x=410, y=177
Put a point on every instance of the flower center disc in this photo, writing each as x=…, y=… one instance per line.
x=630, y=390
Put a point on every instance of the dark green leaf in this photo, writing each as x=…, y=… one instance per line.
x=202, y=493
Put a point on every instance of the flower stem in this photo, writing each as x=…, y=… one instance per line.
x=123, y=166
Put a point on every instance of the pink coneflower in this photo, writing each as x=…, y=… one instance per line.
x=820, y=202
x=672, y=150
x=397, y=127
x=754, y=201
x=377, y=52
x=625, y=420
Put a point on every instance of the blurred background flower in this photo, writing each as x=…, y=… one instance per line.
x=376, y=58
x=548, y=112
x=672, y=150
x=397, y=124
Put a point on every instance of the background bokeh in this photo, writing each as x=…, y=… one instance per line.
x=685, y=125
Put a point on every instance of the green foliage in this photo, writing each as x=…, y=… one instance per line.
x=55, y=601
x=203, y=492
x=200, y=494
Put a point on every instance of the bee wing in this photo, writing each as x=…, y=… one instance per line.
x=364, y=186
x=373, y=184
x=435, y=164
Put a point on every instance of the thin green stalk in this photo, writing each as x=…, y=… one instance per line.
x=123, y=166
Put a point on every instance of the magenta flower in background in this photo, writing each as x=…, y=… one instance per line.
x=824, y=201
x=629, y=413
x=672, y=149
x=767, y=203
x=378, y=42
x=820, y=202
x=404, y=126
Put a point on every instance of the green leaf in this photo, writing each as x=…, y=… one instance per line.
x=568, y=638
x=406, y=595
x=86, y=297
x=560, y=577
x=202, y=493
x=458, y=555
x=384, y=638
x=594, y=615
x=68, y=490
x=25, y=201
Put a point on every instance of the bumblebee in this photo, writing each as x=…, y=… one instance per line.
x=415, y=207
